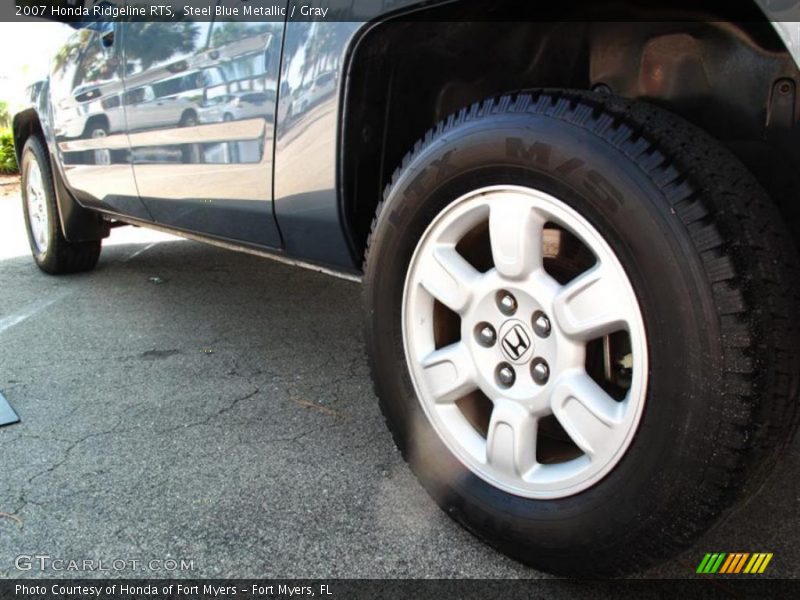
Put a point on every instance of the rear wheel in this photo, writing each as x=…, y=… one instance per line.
x=51, y=250
x=581, y=321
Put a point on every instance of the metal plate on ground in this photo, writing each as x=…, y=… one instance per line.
x=7, y=414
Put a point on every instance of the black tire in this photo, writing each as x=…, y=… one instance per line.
x=188, y=119
x=714, y=271
x=61, y=256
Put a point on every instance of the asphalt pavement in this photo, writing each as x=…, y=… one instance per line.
x=183, y=402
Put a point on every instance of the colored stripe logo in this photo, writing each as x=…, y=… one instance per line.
x=734, y=563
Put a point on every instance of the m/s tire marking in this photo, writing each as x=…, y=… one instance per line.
x=545, y=156
x=539, y=154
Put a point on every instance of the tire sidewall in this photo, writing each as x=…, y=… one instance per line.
x=33, y=150
x=675, y=434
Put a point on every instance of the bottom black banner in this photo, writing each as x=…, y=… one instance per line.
x=347, y=589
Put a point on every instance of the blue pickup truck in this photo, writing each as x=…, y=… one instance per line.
x=577, y=236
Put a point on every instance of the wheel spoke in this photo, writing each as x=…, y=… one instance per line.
x=591, y=305
x=511, y=442
x=448, y=277
x=449, y=372
x=516, y=231
x=586, y=412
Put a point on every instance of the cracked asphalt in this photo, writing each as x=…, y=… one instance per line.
x=187, y=402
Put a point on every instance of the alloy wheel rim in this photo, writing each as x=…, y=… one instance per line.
x=36, y=203
x=525, y=347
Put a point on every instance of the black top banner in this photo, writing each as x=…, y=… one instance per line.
x=83, y=11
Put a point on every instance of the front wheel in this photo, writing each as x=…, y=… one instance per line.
x=51, y=250
x=581, y=321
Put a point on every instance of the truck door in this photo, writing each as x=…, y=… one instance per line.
x=86, y=92
x=201, y=140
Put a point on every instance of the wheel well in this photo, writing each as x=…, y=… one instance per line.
x=25, y=124
x=734, y=79
x=95, y=120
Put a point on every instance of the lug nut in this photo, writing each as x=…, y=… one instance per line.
x=486, y=335
x=540, y=371
x=507, y=303
x=505, y=375
x=541, y=324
